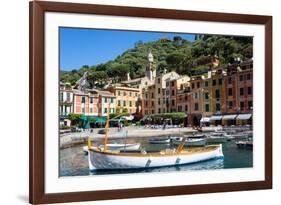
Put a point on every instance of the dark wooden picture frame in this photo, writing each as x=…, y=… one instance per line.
x=37, y=96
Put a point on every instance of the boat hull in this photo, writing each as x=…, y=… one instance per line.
x=192, y=143
x=216, y=139
x=100, y=160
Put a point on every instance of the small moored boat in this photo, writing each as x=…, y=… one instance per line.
x=159, y=140
x=218, y=137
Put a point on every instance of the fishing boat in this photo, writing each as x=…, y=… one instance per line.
x=191, y=141
x=245, y=144
x=104, y=158
x=218, y=137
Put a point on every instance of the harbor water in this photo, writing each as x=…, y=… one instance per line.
x=74, y=162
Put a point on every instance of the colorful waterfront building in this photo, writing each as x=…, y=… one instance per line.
x=127, y=99
x=148, y=100
x=86, y=102
x=66, y=99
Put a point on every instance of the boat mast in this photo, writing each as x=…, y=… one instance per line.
x=181, y=145
x=106, y=128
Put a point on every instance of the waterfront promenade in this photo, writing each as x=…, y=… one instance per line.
x=74, y=138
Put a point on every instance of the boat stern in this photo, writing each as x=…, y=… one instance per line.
x=220, y=152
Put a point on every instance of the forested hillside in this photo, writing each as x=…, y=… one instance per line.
x=176, y=54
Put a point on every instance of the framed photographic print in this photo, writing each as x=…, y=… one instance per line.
x=138, y=102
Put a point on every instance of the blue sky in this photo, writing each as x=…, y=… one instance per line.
x=79, y=46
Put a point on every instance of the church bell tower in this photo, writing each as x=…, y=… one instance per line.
x=150, y=72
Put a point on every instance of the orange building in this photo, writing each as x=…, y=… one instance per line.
x=126, y=98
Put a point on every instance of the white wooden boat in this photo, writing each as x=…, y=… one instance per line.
x=117, y=159
x=104, y=158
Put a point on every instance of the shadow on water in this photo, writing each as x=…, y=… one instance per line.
x=73, y=161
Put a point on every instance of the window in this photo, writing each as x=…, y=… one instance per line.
x=91, y=110
x=179, y=108
x=195, y=95
x=218, y=107
x=152, y=103
x=173, y=92
x=136, y=94
x=124, y=93
x=61, y=97
x=173, y=83
x=124, y=103
x=196, y=106
x=229, y=91
x=192, y=85
x=68, y=97
x=130, y=94
x=83, y=99
x=220, y=81
x=83, y=109
x=241, y=78
x=164, y=101
x=250, y=104
x=159, y=110
x=214, y=82
x=105, y=110
x=173, y=102
x=105, y=100
x=217, y=93
x=111, y=100
x=186, y=108
x=207, y=108
x=249, y=90
x=242, y=105
x=230, y=104
x=248, y=76
x=146, y=104
x=119, y=103
x=112, y=110
x=91, y=100
x=241, y=91
x=185, y=97
x=251, y=65
x=119, y=93
x=198, y=84
x=159, y=101
x=158, y=80
x=206, y=96
x=130, y=103
x=136, y=104
x=152, y=95
x=167, y=84
x=206, y=83
x=229, y=80
x=146, y=96
x=159, y=90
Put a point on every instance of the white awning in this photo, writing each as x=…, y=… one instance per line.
x=216, y=117
x=205, y=119
x=229, y=117
x=244, y=116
